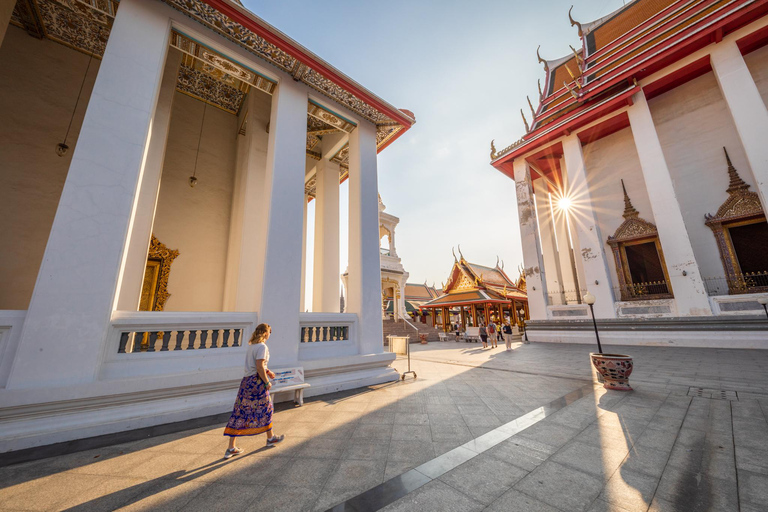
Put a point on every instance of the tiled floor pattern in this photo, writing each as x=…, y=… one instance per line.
x=654, y=449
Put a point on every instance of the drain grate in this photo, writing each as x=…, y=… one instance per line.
x=714, y=394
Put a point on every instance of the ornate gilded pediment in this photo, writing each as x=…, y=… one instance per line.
x=633, y=226
x=741, y=203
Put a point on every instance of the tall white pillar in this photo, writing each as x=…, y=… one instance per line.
x=549, y=246
x=6, y=9
x=535, y=276
x=684, y=275
x=747, y=109
x=129, y=287
x=249, y=210
x=568, y=272
x=303, y=300
x=325, y=288
x=364, y=287
x=284, y=195
x=591, y=247
x=82, y=263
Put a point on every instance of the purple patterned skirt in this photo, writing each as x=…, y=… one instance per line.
x=252, y=413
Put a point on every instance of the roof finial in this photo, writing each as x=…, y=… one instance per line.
x=574, y=22
x=454, y=255
x=533, y=112
x=497, y=261
x=573, y=93
x=527, y=128
x=493, y=150
x=736, y=183
x=462, y=256
x=541, y=94
x=546, y=66
x=629, y=210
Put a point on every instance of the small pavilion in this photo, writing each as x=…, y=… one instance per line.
x=475, y=293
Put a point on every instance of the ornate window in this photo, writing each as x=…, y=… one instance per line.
x=639, y=259
x=154, y=291
x=741, y=233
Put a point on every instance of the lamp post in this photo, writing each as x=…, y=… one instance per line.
x=764, y=302
x=589, y=299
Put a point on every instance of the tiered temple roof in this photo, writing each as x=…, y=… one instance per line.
x=615, y=51
x=472, y=283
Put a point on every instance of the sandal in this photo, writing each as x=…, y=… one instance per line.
x=231, y=452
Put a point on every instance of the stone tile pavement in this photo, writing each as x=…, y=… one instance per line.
x=655, y=449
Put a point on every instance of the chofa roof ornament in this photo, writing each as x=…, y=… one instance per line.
x=574, y=22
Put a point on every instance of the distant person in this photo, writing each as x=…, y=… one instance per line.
x=507, y=335
x=456, y=330
x=492, y=334
x=483, y=335
x=252, y=413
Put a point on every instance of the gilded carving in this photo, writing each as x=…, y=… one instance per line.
x=159, y=260
x=207, y=88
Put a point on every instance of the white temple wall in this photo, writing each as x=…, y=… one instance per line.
x=610, y=160
x=39, y=84
x=693, y=125
x=757, y=62
x=195, y=221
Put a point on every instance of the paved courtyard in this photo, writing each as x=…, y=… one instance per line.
x=526, y=430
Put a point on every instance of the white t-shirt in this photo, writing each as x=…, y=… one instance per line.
x=255, y=352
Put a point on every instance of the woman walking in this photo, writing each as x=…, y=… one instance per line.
x=508, y=335
x=483, y=335
x=252, y=413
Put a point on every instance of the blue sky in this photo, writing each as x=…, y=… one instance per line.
x=464, y=68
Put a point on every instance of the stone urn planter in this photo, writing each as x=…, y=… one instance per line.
x=423, y=338
x=615, y=370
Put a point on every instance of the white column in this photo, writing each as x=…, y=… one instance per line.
x=6, y=9
x=591, y=247
x=129, y=288
x=81, y=267
x=284, y=195
x=690, y=294
x=535, y=277
x=245, y=259
x=549, y=248
x=303, y=300
x=568, y=276
x=325, y=288
x=747, y=109
x=364, y=290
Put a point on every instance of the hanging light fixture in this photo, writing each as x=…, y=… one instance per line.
x=61, y=147
x=193, y=178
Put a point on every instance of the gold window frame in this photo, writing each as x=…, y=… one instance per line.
x=636, y=231
x=741, y=208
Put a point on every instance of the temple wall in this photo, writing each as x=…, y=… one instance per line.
x=608, y=161
x=39, y=84
x=693, y=124
x=757, y=62
x=195, y=221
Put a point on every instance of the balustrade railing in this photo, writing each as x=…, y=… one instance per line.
x=313, y=334
x=325, y=327
x=751, y=282
x=565, y=297
x=172, y=332
x=163, y=341
x=644, y=291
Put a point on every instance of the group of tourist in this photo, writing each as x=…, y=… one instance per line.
x=491, y=332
